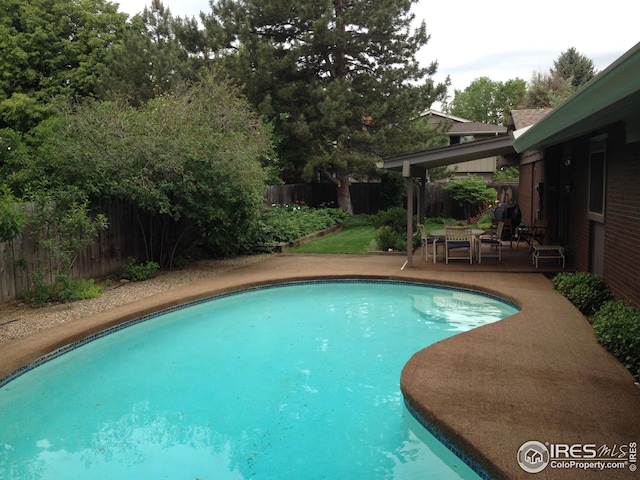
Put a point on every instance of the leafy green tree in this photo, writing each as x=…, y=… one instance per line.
x=52, y=48
x=339, y=80
x=547, y=91
x=12, y=216
x=22, y=111
x=61, y=225
x=506, y=174
x=488, y=101
x=471, y=193
x=189, y=160
x=14, y=160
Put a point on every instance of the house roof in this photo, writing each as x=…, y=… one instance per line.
x=462, y=126
x=526, y=117
x=416, y=164
x=436, y=116
x=475, y=128
x=611, y=96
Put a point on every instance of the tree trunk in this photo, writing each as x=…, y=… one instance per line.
x=344, y=195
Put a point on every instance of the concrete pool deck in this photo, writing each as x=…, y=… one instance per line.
x=538, y=375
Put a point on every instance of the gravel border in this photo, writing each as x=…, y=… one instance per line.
x=18, y=319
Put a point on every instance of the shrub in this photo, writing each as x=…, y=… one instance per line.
x=67, y=290
x=389, y=239
x=62, y=290
x=87, y=289
x=285, y=224
x=395, y=217
x=618, y=330
x=471, y=193
x=137, y=272
x=586, y=291
x=386, y=238
x=40, y=292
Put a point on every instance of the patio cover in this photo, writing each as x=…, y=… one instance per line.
x=415, y=165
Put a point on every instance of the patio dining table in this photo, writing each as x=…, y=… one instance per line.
x=442, y=233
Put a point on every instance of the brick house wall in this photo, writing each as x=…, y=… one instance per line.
x=622, y=227
x=578, y=230
x=565, y=205
x=532, y=173
x=526, y=193
x=621, y=269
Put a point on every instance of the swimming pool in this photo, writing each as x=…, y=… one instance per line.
x=293, y=381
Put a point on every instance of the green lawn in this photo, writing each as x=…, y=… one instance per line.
x=357, y=240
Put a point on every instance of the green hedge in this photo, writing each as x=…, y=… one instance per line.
x=617, y=327
x=389, y=239
x=138, y=272
x=585, y=290
x=391, y=229
x=287, y=223
x=395, y=218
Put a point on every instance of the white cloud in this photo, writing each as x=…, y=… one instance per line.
x=513, y=40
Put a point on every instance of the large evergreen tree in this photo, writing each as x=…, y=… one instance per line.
x=150, y=60
x=575, y=67
x=570, y=71
x=339, y=79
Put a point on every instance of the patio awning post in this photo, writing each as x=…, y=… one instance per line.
x=406, y=173
x=422, y=195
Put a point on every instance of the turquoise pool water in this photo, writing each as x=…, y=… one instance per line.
x=291, y=382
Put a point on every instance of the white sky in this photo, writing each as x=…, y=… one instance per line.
x=503, y=40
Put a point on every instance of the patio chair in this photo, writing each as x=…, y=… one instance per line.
x=458, y=238
x=507, y=231
x=494, y=241
x=535, y=234
x=427, y=241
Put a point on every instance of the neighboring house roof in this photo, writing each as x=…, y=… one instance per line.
x=435, y=115
x=461, y=126
x=496, y=144
x=476, y=128
x=611, y=96
x=526, y=117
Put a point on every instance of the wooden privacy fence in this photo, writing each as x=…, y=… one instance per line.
x=367, y=198
x=19, y=258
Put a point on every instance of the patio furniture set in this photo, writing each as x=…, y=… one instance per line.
x=478, y=243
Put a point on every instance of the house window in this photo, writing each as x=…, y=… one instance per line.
x=597, y=179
